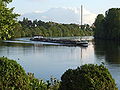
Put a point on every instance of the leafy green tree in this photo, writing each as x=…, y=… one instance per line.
x=98, y=26
x=112, y=24
x=7, y=20
x=88, y=77
x=108, y=27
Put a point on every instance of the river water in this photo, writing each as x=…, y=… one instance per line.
x=46, y=60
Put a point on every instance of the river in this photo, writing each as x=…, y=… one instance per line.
x=46, y=60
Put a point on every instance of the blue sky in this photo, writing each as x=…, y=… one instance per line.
x=95, y=6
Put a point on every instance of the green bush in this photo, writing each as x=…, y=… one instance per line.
x=12, y=76
x=88, y=77
x=53, y=84
x=36, y=84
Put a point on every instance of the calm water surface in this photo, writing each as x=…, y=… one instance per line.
x=46, y=60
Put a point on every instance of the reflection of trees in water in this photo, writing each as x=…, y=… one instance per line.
x=9, y=48
x=14, y=44
x=108, y=49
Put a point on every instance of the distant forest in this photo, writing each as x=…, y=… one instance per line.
x=108, y=27
x=28, y=28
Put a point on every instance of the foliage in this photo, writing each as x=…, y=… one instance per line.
x=12, y=76
x=28, y=28
x=112, y=24
x=6, y=1
x=7, y=20
x=39, y=84
x=53, y=84
x=36, y=84
x=109, y=26
x=88, y=77
x=98, y=25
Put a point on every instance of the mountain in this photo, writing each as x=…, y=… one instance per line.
x=62, y=15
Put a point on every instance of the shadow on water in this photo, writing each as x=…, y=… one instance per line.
x=110, y=50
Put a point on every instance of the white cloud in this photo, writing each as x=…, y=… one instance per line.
x=38, y=0
x=63, y=15
x=37, y=11
x=88, y=17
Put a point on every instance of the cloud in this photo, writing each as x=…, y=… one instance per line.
x=62, y=15
x=37, y=11
x=88, y=17
x=37, y=0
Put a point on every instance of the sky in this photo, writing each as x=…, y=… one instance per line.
x=95, y=6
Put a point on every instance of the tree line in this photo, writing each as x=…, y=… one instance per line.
x=28, y=28
x=108, y=26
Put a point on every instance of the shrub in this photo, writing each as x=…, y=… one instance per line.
x=88, y=77
x=12, y=76
x=53, y=84
x=36, y=84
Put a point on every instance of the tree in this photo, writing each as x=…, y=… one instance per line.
x=88, y=77
x=7, y=20
x=112, y=23
x=108, y=27
x=98, y=25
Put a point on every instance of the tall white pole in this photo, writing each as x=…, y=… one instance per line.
x=81, y=15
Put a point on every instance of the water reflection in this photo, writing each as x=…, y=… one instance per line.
x=108, y=50
x=46, y=60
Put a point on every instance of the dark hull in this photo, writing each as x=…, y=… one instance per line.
x=61, y=41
